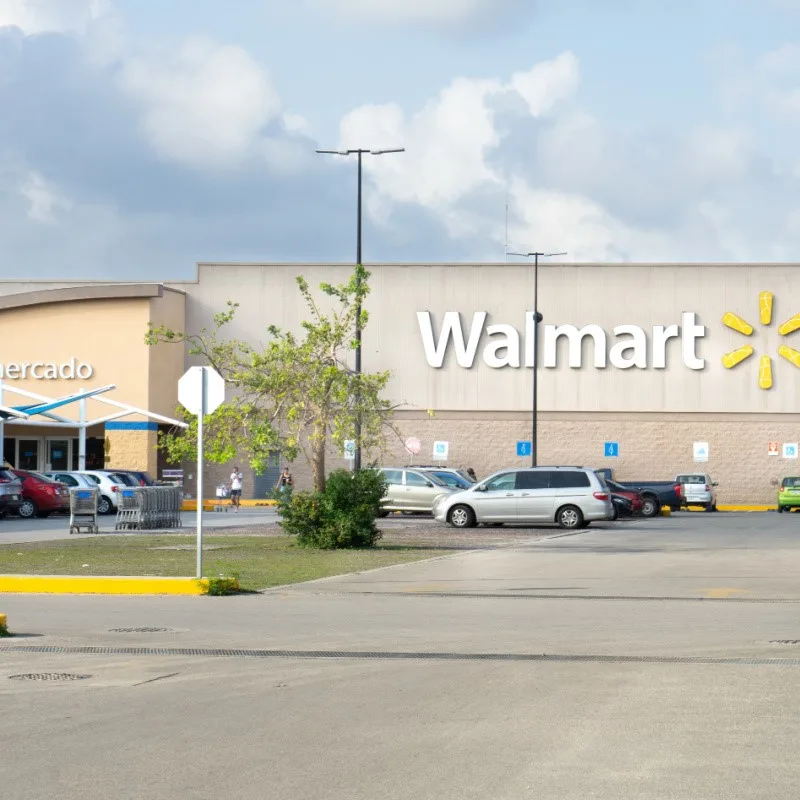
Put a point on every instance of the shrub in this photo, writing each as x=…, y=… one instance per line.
x=343, y=516
x=222, y=585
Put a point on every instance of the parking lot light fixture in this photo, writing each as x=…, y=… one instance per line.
x=537, y=318
x=360, y=152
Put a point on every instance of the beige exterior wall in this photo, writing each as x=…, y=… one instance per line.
x=105, y=334
x=655, y=414
x=577, y=295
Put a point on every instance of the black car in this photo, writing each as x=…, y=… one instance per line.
x=133, y=477
x=10, y=493
x=622, y=506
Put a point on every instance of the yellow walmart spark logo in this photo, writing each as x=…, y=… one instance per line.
x=736, y=357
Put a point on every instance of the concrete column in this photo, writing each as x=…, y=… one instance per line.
x=132, y=447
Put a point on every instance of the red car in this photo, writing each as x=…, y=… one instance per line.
x=628, y=494
x=41, y=496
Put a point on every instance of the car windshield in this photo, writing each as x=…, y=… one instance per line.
x=791, y=482
x=691, y=479
x=452, y=479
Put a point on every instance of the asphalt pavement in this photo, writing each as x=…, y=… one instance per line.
x=652, y=659
x=14, y=530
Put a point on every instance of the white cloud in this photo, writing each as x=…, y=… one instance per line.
x=449, y=141
x=572, y=181
x=43, y=197
x=42, y=16
x=423, y=12
x=204, y=104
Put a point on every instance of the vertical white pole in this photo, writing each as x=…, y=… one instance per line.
x=82, y=438
x=200, y=420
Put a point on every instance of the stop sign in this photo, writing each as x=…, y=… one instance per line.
x=412, y=445
x=192, y=385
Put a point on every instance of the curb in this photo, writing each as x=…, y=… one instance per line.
x=86, y=584
x=211, y=505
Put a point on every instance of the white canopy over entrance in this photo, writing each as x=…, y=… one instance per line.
x=42, y=412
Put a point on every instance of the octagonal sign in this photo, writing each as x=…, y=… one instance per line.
x=190, y=390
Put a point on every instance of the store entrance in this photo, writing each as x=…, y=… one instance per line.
x=51, y=453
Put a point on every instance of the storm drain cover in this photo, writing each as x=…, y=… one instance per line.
x=49, y=676
x=141, y=630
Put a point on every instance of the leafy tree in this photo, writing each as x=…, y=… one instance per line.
x=293, y=394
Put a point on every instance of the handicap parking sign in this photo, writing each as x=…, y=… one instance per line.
x=790, y=450
x=524, y=449
x=612, y=450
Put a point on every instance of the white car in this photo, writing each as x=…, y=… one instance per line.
x=697, y=489
x=108, y=485
x=572, y=497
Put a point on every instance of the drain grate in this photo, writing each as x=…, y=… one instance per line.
x=378, y=655
x=141, y=630
x=49, y=676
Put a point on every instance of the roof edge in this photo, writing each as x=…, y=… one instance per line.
x=39, y=297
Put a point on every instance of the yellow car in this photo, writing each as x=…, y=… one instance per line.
x=789, y=494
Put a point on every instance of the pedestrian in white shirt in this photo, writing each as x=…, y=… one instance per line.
x=236, y=487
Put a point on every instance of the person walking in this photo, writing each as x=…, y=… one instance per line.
x=285, y=481
x=236, y=488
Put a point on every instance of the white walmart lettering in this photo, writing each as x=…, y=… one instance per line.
x=504, y=345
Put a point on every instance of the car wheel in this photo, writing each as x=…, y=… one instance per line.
x=650, y=506
x=569, y=518
x=27, y=509
x=461, y=517
x=104, y=506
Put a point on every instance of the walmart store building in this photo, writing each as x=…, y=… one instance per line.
x=663, y=360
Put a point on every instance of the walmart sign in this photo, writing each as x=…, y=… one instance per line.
x=501, y=346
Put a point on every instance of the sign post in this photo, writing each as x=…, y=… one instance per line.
x=201, y=391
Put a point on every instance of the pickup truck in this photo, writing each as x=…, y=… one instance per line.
x=655, y=494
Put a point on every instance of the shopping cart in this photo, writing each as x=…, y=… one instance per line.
x=83, y=510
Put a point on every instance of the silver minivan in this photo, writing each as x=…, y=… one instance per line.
x=411, y=490
x=569, y=496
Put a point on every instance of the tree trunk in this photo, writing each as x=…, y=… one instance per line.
x=318, y=463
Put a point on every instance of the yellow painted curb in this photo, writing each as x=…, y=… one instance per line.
x=210, y=505
x=89, y=584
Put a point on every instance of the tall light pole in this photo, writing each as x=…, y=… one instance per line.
x=537, y=318
x=360, y=152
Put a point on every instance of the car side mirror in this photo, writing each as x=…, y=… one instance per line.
x=480, y=488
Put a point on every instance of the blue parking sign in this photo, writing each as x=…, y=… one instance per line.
x=612, y=450
x=524, y=449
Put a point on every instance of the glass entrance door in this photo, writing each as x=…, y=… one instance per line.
x=28, y=451
x=58, y=452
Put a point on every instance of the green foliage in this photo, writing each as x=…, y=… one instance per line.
x=291, y=395
x=4, y=631
x=341, y=516
x=223, y=585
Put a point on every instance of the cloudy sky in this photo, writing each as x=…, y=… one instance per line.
x=138, y=137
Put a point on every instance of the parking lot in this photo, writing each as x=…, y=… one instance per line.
x=651, y=658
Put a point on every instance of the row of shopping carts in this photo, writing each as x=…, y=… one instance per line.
x=147, y=508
